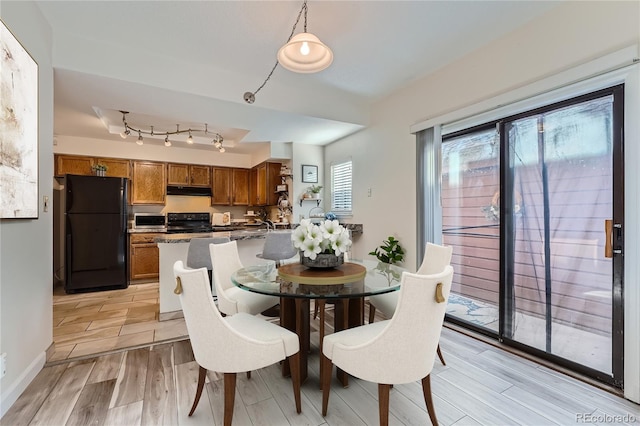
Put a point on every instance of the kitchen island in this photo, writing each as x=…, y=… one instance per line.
x=174, y=247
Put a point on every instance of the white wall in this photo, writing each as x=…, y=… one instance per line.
x=311, y=155
x=26, y=279
x=384, y=154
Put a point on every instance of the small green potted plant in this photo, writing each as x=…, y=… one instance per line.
x=314, y=191
x=390, y=251
x=100, y=169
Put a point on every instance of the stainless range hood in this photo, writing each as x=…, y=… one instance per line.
x=194, y=191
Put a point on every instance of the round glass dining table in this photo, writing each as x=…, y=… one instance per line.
x=346, y=285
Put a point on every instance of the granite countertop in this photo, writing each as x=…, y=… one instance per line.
x=243, y=234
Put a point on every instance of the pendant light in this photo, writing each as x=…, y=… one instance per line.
x=303, y=53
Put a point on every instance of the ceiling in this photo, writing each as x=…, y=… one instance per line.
x=190, y=62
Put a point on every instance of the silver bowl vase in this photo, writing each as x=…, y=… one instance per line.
x=322, y=260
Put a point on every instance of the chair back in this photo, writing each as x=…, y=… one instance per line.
x=436, y=257
x=404, y=351
x=204, y=322
x=278, y=246
x=217, y=345
x=198, y=254
x=225, y=260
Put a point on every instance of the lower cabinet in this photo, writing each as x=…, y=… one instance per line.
x=144, y=257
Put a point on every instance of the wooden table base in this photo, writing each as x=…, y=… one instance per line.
x=294, y=316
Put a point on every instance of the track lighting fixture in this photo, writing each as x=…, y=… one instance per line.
x=303, y=53
x=216, y=142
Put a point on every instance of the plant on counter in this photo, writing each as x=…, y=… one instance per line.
x=327, y=237
x=389, y=252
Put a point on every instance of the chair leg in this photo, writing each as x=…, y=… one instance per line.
x=315, y=309
x=372, y=312
x=440, y=355
x=202, y=375
x=229, y=397
x=326, y=382
x=294, y=365
x=249, y=375
x=426, y=390
x=383, y=403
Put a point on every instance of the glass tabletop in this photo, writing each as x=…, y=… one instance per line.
x=378, y=278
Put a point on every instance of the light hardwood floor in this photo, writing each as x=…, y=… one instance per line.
x=481, y=385
x=97, y=322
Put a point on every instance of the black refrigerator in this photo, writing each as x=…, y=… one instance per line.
x=95, y=241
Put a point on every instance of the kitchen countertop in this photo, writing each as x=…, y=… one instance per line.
x=240, y=234
x=355, y=228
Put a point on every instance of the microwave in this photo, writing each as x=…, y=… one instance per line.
x=149, y=221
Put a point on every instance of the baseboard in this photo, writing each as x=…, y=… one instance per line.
x=50, y=350
x=11, y=393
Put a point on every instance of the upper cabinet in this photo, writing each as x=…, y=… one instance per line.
x=264, y=179
x=80, y=165
x=116, y=167
x=230, y=186
x=240, y=185
x=149, y=183
x=188, y=174
x=73, y=165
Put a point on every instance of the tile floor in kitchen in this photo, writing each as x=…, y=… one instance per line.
x=98, y=322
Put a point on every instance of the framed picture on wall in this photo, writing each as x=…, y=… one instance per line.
x=19, y=129
x=309, y=173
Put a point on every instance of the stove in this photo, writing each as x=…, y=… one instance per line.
x=178, y=223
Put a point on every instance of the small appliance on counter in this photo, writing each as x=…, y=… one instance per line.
x=149, y=222
x=221, y=219
x=178, y=223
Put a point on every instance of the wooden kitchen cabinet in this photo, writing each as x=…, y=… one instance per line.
x=144, y=256
x=73, y=165
x=80, y=165
x=230, y=186
x=116, y=167
x=149, y=183
x=240, y=187
x=188, y=174
x=265, y=178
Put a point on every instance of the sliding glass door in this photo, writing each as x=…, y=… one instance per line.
x=525, y=203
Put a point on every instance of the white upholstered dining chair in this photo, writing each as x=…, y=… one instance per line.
x=395, y=351
x=435, y=259
x=230, y=345
x=231, y=299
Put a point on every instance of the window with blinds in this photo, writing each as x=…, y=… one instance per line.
x=341, y=187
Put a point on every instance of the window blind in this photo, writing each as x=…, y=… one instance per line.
x=341, y=187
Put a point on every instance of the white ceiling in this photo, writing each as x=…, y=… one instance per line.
x=190, y=62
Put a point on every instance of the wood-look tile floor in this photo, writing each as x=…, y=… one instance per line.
x=480, y=385
x=98, y=322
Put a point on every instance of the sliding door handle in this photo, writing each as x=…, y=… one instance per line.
x=608, y=242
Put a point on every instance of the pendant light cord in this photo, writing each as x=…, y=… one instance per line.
x=251, y=97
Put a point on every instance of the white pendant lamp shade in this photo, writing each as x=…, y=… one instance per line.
x=305, y=53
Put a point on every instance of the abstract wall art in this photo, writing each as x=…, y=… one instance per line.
x=18, y=129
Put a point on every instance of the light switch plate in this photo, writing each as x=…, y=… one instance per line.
x=45, y=202
x=3, y=365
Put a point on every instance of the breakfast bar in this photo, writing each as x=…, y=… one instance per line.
x=174, y=247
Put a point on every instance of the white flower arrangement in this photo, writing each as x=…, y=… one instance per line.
x=327, y=237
